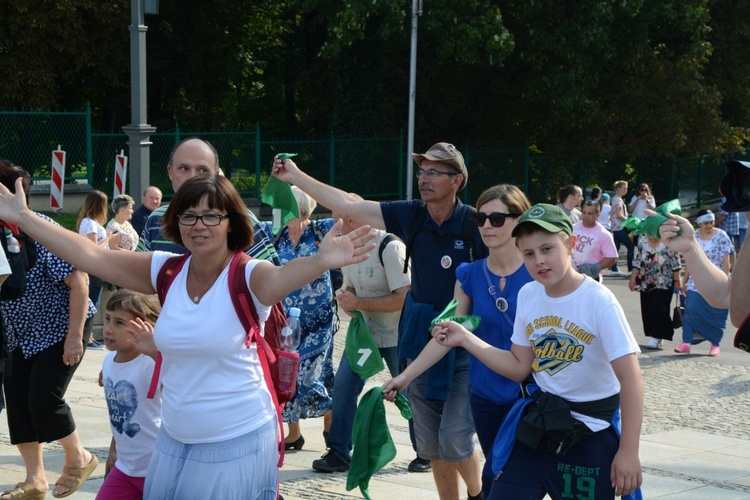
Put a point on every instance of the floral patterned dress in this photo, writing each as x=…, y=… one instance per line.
x=314, y=394
x=656, y=267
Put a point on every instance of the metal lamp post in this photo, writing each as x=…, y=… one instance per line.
x=138, y=131
x=416, y=10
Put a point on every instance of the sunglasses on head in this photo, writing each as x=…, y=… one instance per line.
x=497, y=219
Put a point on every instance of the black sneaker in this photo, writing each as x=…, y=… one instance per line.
x=330, y=462
x=420, y=465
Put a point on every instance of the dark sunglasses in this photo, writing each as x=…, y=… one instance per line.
x=497, y=219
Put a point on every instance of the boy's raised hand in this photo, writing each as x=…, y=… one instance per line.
x=143, y=334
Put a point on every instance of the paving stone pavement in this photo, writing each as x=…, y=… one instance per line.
x=693, y=443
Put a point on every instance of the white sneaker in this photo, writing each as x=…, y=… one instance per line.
x=654, y=343
x=619, y=274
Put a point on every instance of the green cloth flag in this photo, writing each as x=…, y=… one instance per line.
x=285, y=156
x=670, y=207
x=361, y=350
x=449, y=314
x=372, y=444
x=650, y=225
x=278, y=194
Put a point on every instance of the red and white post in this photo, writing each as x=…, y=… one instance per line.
x=58, y=179
x=121, y=169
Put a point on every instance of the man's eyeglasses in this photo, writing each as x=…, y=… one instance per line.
x=431, y=174
x=497, y=219
x=207, y=219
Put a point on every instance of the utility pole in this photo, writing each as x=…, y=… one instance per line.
x=138, y=131
x=416, y=10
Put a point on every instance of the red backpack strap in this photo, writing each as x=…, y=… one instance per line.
x=245, y=308
x=164, y=280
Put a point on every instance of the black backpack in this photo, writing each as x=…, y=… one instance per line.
x=21, y=262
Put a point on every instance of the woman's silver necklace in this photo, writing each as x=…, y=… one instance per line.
x=197, y=297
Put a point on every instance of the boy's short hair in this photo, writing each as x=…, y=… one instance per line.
x=543, y=216
x=142, y=306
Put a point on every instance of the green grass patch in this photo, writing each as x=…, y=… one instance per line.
x=67, y=221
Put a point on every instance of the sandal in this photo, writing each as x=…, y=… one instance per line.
x=25, y=491
x=76, y=476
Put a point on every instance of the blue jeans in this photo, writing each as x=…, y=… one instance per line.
x=621, y=237
x=488, y=417
x=346, y=388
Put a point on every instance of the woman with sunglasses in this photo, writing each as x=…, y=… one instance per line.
x=487, y=288
x=642, y=199
x=219, y=424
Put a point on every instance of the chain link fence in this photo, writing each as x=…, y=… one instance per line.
x=375, y=168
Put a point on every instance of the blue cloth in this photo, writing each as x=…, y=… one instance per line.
x=432, y=274
x=506, y=437
x=347, y=385
x=494, y=328
x=700, y=317
x=243, y=467
x=315, y=300
x=152, y=239
x=414, y=332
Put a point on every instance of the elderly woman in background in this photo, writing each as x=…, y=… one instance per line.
x=122, y=206
x=656, y=274
x=301, y=238
x=45, y=329
x=701, y=319
x=219, y=426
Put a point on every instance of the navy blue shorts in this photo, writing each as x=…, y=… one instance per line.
x=583, y=473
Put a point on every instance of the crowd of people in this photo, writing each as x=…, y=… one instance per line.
x=549, y=336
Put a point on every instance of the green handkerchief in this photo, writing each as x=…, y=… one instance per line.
x=670, y=207
x=286, y=156
x=362, y=352
x=278, y=194
x=449, y=314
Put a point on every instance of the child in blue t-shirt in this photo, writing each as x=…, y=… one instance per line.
x=571, y=334
x=126, y=376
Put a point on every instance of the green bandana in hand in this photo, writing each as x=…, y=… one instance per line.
x=670, y=207
x=449, y=314
x=285, y=156
x=372, y=443
x=650, y=225
x=361, y=350
x=278, y=194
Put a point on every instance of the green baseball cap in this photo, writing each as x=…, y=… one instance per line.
x=549, y=217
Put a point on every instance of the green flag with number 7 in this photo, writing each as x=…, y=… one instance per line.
x=361, y=350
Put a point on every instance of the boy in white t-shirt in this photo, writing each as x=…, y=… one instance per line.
x=126, y=376
x=571, y=334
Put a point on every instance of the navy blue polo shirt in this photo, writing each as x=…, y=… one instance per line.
x=437, y=250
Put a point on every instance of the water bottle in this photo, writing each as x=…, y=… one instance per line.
x=291, y=334
x=13, y=246
x=288, y=358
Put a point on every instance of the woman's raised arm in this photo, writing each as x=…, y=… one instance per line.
x=130, y=270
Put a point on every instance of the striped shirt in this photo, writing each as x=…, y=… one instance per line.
x=152, y=239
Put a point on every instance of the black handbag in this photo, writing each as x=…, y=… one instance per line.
x=677, y=313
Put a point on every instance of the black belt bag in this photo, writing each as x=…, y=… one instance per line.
x=548, y=425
